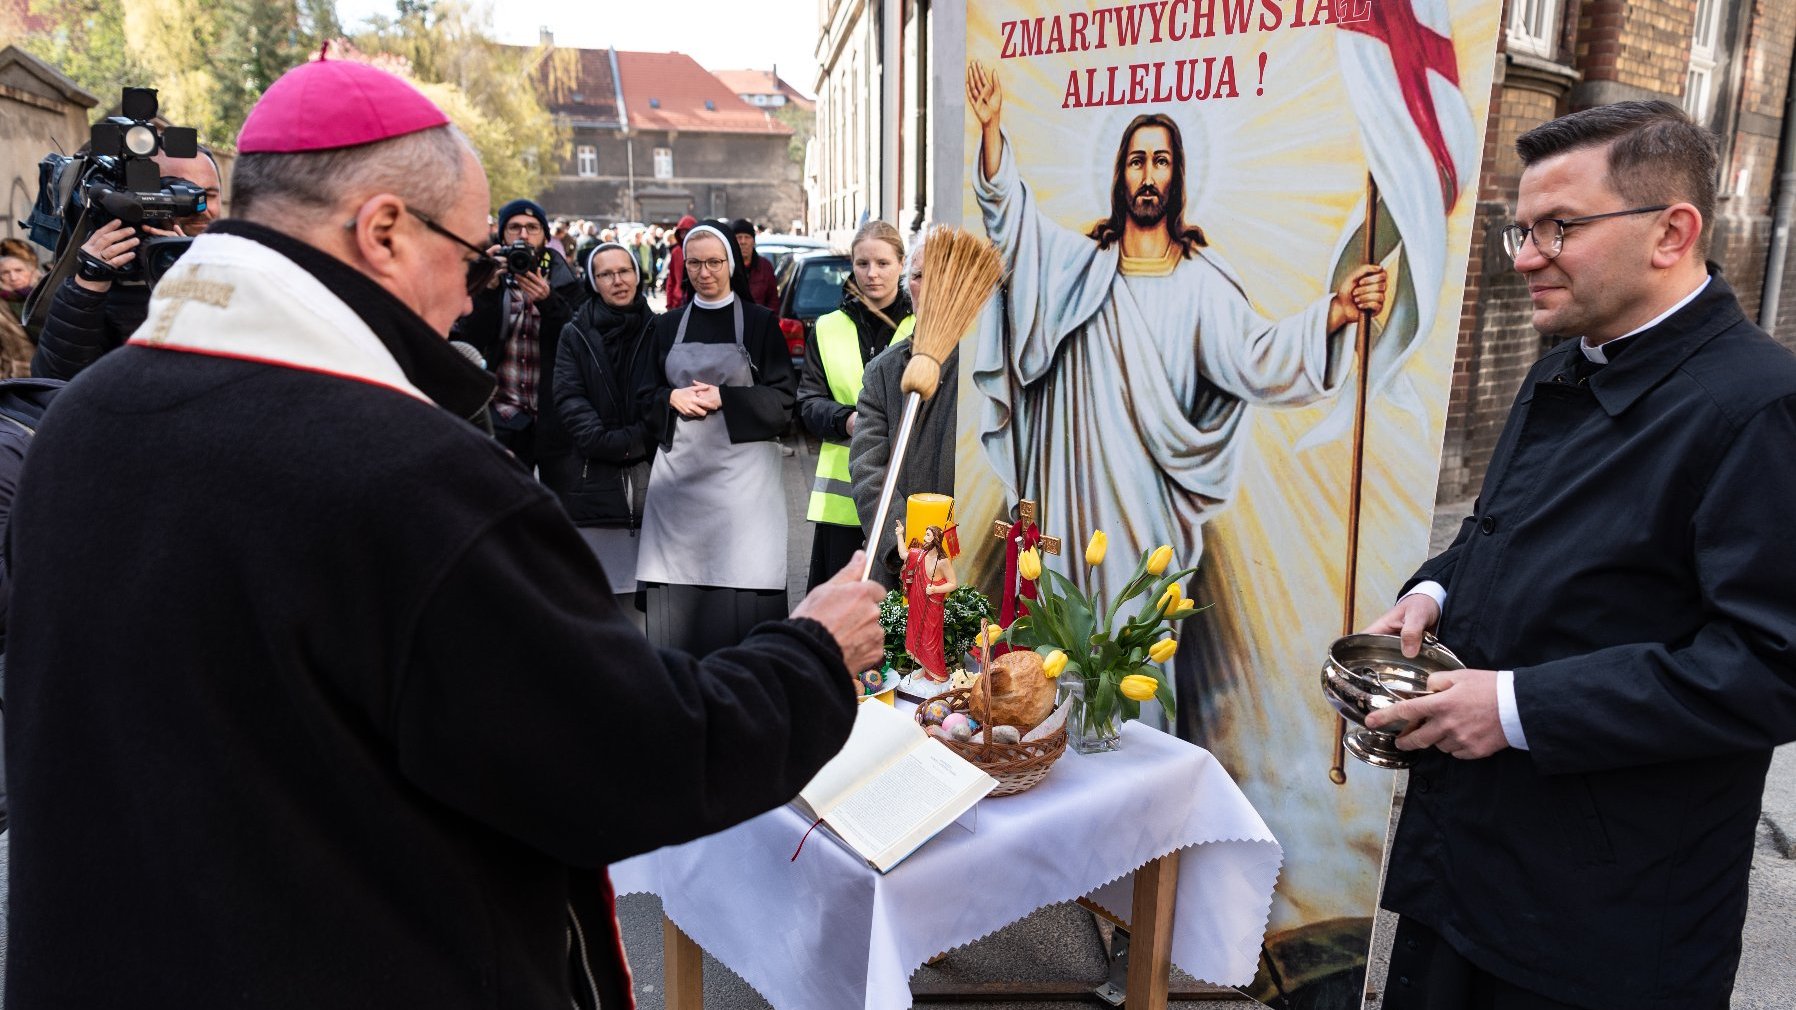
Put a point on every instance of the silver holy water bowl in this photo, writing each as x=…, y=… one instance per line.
x=1365, y=673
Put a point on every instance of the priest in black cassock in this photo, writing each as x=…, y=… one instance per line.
x=316, y=698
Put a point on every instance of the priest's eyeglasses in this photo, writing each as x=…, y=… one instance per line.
x=1549, y=233
x=481, y=268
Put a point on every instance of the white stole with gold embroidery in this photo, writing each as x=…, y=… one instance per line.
x=232, y=297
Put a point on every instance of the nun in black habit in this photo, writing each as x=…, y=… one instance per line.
x=717, y=390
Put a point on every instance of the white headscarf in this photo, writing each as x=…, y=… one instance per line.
x=729, y=252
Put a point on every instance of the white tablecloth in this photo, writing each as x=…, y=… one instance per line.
x=826, y=931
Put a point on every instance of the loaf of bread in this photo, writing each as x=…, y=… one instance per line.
x=1022, y=694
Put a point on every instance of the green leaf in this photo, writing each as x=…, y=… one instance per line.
x=1104, y=704
x=1108, y=653
x=1048, y=623
x=1163, y=694
x=1128, y=592
x=892, y=612
x=966, y=610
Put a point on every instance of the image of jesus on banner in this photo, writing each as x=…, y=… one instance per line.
x=1129, y=353
x=1176, y=357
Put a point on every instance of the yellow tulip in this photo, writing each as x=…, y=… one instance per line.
x=1157, y=561
x=989, y=636
x=1094, y=551
x=1163, y=650
x=1169, y=600
x=1138, y=687
x=1029, y=564
x=1185, y=610
x=1055, y=663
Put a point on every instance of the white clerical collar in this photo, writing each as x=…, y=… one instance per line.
x=1598, y=355
x=720, y=303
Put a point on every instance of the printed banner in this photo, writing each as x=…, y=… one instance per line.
x=1180, y=192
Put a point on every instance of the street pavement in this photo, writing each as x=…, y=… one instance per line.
x=1061, y=942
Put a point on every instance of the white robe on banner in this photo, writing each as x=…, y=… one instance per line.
x=1134, y=379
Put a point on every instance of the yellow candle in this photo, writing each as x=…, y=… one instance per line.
x=922, y=511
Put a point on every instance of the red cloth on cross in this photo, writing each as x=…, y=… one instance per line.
x=1018, y=591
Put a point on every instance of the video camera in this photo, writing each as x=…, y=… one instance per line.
x=117, y=178
x=521, y=257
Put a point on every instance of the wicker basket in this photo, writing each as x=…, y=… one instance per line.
x=1016, y=766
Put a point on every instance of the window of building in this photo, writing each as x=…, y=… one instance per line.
x=1705, y=53
x=1534, y=27
x=663, y=162
x=586, y=160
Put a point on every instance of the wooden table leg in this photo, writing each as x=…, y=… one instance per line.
x=1150, y=934
x=683, y=967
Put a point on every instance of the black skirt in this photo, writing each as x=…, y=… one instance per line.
x=702, y=619
x=831, y=548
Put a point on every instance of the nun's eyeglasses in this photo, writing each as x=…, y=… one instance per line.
x=1549, y=233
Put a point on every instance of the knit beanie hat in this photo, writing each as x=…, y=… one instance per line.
x=522, y=206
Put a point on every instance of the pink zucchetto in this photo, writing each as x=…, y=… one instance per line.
x=327, y=104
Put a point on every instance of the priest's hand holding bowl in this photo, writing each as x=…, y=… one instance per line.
x=1413, y=616
x=1459, y=717
x=849, y=609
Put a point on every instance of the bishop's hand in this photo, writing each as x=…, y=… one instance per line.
x=849, y=610
x=1362, y=291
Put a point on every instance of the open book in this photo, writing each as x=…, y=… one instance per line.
x=891, y=788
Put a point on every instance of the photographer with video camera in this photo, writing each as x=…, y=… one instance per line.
x=516, y=325
x=100, y=304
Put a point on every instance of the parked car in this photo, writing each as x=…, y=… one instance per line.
x=780, y=248
x=810, y=285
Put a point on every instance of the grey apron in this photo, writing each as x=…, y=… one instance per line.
x=716, y=511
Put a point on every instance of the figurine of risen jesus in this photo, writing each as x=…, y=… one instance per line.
x=927, y=578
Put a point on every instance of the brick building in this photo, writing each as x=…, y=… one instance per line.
x=656, y=136
x=1728, y=62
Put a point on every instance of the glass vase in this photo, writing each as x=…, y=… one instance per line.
x=1084, y=733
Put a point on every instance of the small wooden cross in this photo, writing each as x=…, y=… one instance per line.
x=1025, y=513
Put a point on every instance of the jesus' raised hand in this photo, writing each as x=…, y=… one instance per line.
x=985, y=96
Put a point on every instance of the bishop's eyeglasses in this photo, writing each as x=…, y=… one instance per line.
x=1549, y=233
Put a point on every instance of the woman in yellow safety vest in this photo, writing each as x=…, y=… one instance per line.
x=875, y=313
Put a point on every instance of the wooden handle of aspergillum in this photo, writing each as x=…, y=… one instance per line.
x=921, y=376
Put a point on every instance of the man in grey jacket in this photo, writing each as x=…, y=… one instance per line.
x=929, y=462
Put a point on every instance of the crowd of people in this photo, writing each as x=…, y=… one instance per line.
x=657, y=253
x=656, y=430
